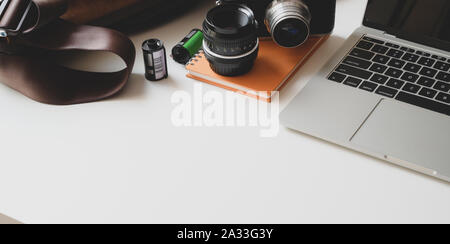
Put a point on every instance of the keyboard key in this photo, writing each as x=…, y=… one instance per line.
x=412, y=67
x=427, y=93
x=409, y=77
x=424, y=81
x=365, y=45
x=378, y=68
x=428, y=72
x=407, y=49
x=386, y=91
x=423, y=54
x=424, y=103
x=442, y=66
x=394, y=83
x=443, y=97
x=441, y=86
x=370, y=39
x=351, y=81
x=380, y=79
x=443, y=76
x=411, y=88
x=394, y=73
x=396, y=63
x=381, y=59
x=410, y=57
x=395, y=53
x=368, y=86
x=439, y=58
x=359, y=53
x=392, y=45
x=349, y=70
x=357, y=62
x=426, y=61
x=380, y=49
x=337, y=77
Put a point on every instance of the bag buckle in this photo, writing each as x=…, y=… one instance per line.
x=12, y=31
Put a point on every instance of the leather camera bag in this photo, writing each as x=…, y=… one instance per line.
x=31, y=30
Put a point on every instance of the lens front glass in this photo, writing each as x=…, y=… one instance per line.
x=230, y=20
x=291, y=32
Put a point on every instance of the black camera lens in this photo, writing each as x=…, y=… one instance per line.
x=290, y=32
x=288, y=21
x=230, y=39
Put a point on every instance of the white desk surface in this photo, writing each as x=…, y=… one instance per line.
x=122, y=160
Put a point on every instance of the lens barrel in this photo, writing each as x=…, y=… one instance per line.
x=288, y=21
x=230, y=43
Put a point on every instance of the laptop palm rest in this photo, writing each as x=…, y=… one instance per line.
x=399, y=131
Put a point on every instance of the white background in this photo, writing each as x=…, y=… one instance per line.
x=122, y=160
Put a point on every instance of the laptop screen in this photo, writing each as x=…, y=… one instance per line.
x=421, y=21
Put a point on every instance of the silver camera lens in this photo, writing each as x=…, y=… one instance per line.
x=288, y=21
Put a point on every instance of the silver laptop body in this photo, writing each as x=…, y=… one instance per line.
x=410, y=128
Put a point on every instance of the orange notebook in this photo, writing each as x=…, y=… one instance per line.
x=273, y=69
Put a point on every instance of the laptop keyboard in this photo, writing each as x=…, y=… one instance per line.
x=398, y=72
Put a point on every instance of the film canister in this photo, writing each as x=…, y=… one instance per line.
x=155, y=60
x=188, y=47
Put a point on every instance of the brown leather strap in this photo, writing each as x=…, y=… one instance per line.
x=25, y=57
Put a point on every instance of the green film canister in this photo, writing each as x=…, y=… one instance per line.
x=188, y=47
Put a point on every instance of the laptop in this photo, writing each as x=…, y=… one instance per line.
x=385, y=93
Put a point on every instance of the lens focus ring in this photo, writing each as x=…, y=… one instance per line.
x=228, y=46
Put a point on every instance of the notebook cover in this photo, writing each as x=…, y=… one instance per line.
x=273, y=68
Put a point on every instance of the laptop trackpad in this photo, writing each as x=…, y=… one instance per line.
x=409, y=134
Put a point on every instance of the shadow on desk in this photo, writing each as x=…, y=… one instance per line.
x=135, y=88
x=7, y=220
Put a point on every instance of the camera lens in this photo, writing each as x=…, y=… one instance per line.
x=288, y=21
x=231, y=43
